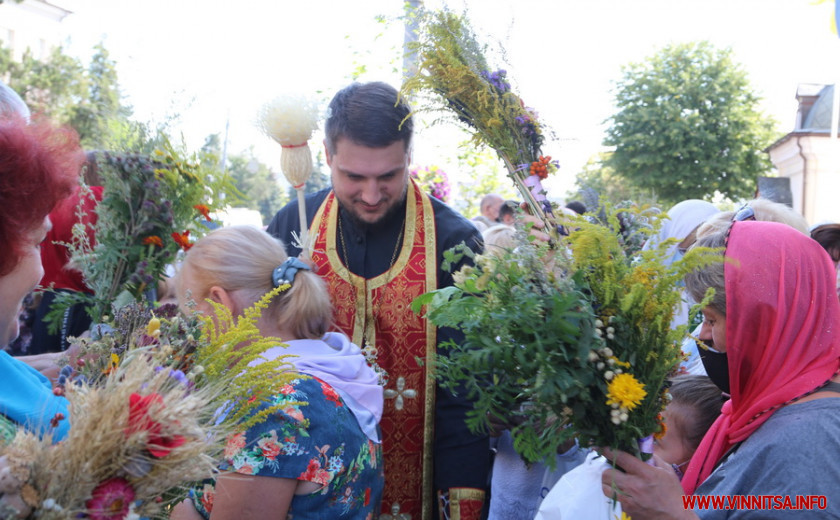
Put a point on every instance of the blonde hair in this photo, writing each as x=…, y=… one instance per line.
x=498, y=239
x=764, y=209
x=242, y=259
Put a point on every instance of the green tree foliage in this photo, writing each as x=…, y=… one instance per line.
x=688, y=125
x=255, y=181
x=53, y=87
x=88, y=99
x=101, y=109
x=485, y=175
x=598, y=184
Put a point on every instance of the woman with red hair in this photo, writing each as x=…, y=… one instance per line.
x=774, y=328
x=39, y=166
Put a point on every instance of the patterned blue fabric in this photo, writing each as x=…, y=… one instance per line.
x=319, y=441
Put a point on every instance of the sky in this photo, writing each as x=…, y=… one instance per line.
x=216, y=62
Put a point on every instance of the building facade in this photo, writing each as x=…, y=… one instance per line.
x=810, y=158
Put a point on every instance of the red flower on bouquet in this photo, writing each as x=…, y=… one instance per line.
x=153, y=239
x=110, y=500
x=204, y=210
x=139, y=421
x=183, y=239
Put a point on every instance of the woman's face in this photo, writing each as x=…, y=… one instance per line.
x=15, y=285
x=714, y=328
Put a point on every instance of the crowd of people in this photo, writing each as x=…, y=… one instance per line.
x=758, y=391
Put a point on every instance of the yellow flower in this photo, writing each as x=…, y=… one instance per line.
x=620, y=362
x=153, y=328
x=625, y=391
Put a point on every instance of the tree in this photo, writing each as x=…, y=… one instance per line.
x=53, y=87
x=688, y=125
x=484, y=171
x=101, y=108
x=255, y=181
x=89, y=99
x=598, y=184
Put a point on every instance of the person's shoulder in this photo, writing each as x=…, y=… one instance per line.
x=818, y=418
x=452, y=228
x=792, y=432
x=287, y=219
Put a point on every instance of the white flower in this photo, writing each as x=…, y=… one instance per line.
x=599, y=323
x=624, y=417
x=593, y=357
x=615, y=420
x=600, y=365
x=609, y=374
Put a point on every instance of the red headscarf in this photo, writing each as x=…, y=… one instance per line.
x=782, y=332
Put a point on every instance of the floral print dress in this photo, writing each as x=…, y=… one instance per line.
x=319, y=442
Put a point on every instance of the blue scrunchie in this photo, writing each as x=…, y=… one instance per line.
x=285, y=272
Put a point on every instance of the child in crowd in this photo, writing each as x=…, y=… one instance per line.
x=321, y=460
x=695, y=404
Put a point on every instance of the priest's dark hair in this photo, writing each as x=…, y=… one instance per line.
x=369, y=114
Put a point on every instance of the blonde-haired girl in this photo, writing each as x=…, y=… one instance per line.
x=319, y=460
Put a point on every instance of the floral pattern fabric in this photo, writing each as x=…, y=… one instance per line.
x=8, y=429
x=317, y=441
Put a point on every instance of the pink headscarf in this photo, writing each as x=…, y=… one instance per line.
x=782, y=332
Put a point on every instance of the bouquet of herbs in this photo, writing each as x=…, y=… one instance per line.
x=149, y=420
x=152, y=208
x=528, y=333
x=568, y=342
x=453, y=76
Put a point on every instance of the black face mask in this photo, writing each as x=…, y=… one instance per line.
x=717, y=367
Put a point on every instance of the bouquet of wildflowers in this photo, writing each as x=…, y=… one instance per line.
x=454, y=76
x=149, y=421
x=567, y=343
x=433, y=180
x=152, y=208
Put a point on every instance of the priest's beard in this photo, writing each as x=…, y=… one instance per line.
x=396, y=211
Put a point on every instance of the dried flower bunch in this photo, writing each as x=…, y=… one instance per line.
x=454, y=76
x=572, y=342
x=149, y=420
x=290, y=120
x=151, y=209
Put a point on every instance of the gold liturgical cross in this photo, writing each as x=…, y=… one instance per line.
x=400, y=394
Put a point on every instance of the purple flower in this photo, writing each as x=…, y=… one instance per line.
x=497, y=79
x=179, y=376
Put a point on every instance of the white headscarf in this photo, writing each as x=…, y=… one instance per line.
x=682, y=219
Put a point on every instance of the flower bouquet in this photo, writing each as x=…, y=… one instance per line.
x=453, y=76
x=151, y=209
x=146, y=423
x=433, y=180
x=567, y=343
